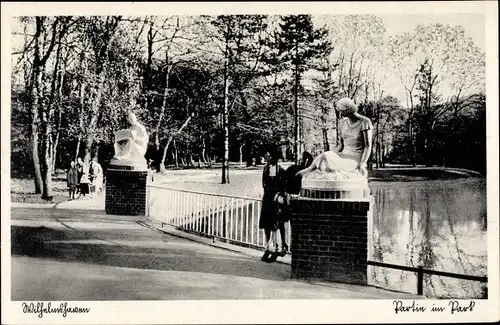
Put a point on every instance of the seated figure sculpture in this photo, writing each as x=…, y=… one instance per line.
x=131, y=144
x=348, y=160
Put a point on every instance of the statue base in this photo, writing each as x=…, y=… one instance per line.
x=127, y=164
x=335, y=185
x=126, y=190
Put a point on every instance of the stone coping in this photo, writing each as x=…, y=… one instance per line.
x=127, y=168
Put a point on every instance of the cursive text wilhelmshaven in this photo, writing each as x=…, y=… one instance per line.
x=63, y=309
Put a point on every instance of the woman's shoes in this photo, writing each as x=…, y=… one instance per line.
x=272, y=258
x=284, y=250
x=269, y=256
x=265, y=257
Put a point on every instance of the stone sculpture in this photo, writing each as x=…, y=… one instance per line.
x=131, y=144
x=344, y=169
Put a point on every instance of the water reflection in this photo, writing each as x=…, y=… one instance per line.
x=438, y=225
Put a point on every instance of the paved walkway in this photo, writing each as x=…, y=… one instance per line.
x=77, y=254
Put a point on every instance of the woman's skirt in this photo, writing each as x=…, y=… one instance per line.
x=268, y=218
x=84, y=188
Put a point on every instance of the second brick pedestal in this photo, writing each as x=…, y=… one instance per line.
x=330, y=239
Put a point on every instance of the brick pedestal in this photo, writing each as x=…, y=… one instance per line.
x=330, y=239
x=126, y=191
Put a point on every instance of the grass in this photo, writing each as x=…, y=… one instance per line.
x=22, y=190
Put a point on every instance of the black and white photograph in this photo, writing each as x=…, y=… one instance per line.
x=238, y=157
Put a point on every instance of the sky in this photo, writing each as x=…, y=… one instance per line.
x=473, y=24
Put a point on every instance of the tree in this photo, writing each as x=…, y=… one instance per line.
x=435, y=55
x=235, y=37
x=36, y=92
x=102, y=31
x=325, y=91
x=299, y=44
x=388, y=117
x=359, y=41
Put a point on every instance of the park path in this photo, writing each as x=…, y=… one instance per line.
x=75, y=254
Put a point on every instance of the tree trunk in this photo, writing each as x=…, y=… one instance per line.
x=51, y=146
x=283, y=151
x=96, y=151
x=203, y=150
x=162, y=163
x=413, y=147
x=78, y=143
x=35, y=102
x=35, y=157
x=46, y=164
x=225, y=113
x=337, y=132
x=56, y=140
x=296, y=107
x=165, y=150
x=241, y=154
x=225, y=157
x=93, y=120
x=147, y=74
x=384, y=152
x=164, y=104
x=176, y=156
x=324, y=129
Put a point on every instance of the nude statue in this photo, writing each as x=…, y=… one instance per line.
x=131, y=144
x=355, y=145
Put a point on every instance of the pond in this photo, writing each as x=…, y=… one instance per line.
x=437, y=224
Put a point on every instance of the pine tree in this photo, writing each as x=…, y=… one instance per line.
x=300, y=45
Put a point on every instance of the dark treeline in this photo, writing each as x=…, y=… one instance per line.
x=214, y=89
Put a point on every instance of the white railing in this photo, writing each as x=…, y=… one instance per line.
x=232, y=218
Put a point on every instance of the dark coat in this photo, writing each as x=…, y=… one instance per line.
x=293, y=183
x=272, y=185
x=72, y=177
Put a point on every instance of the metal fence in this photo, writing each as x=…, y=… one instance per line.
x=227, y=217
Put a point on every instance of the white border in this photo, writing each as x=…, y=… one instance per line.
x=259, y=311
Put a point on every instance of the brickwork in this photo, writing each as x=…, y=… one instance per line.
x=126, y=192
x=330, y=240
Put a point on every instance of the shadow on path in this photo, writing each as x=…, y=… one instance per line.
x=135, y=248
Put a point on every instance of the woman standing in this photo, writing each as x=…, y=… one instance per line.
x=79, y=167
x=355, y=143
x=72, y=180
x=96, y=175
x=84, y=184
x=273, y=183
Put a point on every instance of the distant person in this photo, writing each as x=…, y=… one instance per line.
x=152, y=170
x=272, y=183
x=79, y=167
x=96, y=175
x=84, y=184
x=355, y=143
x=72, y=180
